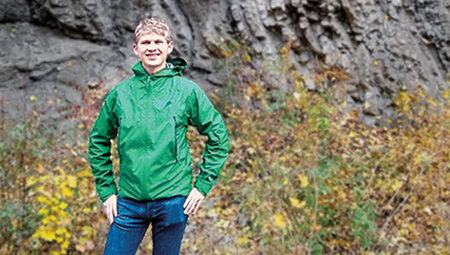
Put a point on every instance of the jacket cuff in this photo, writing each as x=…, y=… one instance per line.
x=107, y=191
x=203, y=186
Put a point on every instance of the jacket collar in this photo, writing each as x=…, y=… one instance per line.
x=174, y=67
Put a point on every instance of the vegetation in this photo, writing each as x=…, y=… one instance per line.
x=304, y=175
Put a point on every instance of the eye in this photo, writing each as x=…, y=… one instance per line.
x=159, y=42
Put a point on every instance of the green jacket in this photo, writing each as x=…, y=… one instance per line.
x=150, y=114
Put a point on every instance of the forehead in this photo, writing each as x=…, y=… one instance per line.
x=151, y=37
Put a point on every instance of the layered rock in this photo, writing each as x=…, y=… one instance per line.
x=383, y=45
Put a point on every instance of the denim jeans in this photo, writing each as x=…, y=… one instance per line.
x=133, y=218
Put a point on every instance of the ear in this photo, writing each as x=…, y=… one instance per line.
x=135, y=49
x=170, y=44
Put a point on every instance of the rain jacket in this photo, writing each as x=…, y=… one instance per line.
x=150, y=114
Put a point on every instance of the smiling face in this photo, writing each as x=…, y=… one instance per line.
x=152, y=49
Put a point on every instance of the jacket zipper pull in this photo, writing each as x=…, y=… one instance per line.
x=148, y=81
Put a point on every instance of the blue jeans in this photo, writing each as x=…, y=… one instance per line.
x=133, y=218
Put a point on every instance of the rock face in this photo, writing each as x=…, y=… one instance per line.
x=383, y=45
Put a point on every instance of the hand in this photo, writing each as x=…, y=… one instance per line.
x=193, y=202
x=110, y=208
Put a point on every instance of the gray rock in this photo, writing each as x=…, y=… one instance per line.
x=14, y=11
x=383, y=45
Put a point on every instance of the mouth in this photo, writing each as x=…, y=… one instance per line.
x=152, y=55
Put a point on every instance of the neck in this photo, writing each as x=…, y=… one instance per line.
x=154, y=69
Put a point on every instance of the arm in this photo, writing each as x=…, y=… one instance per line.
x=209, y=122
x=105, y=129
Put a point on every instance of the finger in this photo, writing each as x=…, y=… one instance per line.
x=188, y=207
x=114, y=209
x=188, y=199
x=197, y=207
x=194, y=206
x=110, y=215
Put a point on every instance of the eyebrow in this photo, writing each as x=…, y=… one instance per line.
x=157, y=40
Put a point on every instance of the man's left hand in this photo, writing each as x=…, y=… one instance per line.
x=193, y=202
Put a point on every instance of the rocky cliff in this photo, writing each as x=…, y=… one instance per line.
x=384, y=45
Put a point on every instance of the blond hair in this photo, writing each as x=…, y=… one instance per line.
x=153, y=25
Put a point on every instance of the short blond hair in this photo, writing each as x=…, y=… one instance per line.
x=152, y=25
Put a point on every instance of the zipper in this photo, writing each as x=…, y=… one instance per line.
x=148, y=82
x=175, y=136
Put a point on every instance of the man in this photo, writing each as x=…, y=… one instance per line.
x=150, y=113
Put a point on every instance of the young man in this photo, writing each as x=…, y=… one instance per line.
x=150, y=113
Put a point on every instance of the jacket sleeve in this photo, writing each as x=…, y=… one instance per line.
x=209, y=122
x=105, y=129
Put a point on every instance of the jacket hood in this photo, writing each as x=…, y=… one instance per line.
x=174, y=67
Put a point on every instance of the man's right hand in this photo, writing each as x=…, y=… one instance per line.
x=110, y=208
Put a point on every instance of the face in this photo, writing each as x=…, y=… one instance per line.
x=152, y=50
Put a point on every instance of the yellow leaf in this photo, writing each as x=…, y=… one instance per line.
x=43, y=211
x=69, y=64
x=48, y=235
x=352, y=134
x=46, y=220
x=72, y=181
x=33, y=98
x=375, y=63
x=65, y=245
x=66, y=192
x=247, y=58
x=243, y=240
x=446, y=94
x=31, y=180
x=278, y=220
x=303, y=180
x=366, y=105
x=295, y=203
x=397, y=184
x=43, y=199
x=84, y=173
x=55, y=209
x=285, y=182
x=60, y=231
x=406, y=107
x=81, y=126
x=63, y=205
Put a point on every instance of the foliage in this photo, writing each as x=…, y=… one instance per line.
x=304, y=175
x=48, y=201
